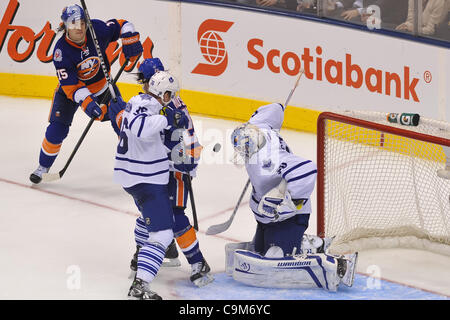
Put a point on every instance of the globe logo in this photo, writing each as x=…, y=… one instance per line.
x=212, y=47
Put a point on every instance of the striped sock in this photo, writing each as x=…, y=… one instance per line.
x=149, y=261
x=140, y=232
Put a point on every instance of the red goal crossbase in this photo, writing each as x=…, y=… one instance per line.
x=378, y=181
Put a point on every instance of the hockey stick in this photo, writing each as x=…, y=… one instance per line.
x=47, y=177
x=219, y=228
x=191, y=199
x=99, y=52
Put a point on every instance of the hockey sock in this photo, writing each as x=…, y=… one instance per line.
x=55, y=134
x=140, y=232
x=149, y=261
x=188, y=243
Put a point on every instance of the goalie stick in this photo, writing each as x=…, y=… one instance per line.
x=219, y=228
x=47, y=177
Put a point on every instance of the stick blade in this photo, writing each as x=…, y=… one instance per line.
x=218, y=228
x=48, y=177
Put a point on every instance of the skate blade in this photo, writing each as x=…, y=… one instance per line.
x=350, y=276
x=170, y=263
x=203, y=281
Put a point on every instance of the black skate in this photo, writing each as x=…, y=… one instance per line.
x=200, y=275
x=139, y=290
x=171, y=257
x=36, y=176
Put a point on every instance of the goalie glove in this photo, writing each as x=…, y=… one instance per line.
x=278, y=204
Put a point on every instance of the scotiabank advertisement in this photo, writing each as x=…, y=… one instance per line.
x=258, y=56
x=246, y=54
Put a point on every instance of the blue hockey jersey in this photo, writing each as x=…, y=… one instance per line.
x=78, y=67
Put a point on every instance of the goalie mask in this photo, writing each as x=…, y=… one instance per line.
x=247, y=139
x=162, y=82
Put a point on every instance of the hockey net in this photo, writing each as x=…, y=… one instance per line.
x=377, y=185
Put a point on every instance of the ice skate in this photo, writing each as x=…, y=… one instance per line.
x=36, y=176
x=346, y=268
x=200, y=275
x=171, y=257
x=140, y=290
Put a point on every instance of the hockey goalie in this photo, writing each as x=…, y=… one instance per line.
x=281, y=255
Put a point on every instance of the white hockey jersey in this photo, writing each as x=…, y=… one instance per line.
x=274, y=162
x=141, y=155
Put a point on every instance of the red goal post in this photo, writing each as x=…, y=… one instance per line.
x=377, y=184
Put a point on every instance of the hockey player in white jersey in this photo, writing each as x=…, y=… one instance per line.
x=177, y=140
x=142, y=168
x=280, y=254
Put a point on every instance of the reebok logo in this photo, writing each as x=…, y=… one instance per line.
x=212, y=47
x=346, y=72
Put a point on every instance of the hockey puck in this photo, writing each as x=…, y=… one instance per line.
x=217, y=147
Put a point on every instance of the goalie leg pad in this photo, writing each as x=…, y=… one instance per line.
x=301, y=271
x=229, y=254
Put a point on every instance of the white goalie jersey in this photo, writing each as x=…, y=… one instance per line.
x=141, y=155
x=273, y=163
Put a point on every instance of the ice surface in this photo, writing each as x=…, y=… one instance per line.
x=73, y=238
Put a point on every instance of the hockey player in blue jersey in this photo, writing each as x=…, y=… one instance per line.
x=82, y=82
x=280, y=254
x=184, y=233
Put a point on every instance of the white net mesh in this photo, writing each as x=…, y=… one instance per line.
x=382, y=190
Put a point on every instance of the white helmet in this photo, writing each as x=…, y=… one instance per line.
x=162, y=82
x=247, y=139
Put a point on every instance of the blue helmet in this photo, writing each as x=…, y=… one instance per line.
x=71, y=14
x=148, y=68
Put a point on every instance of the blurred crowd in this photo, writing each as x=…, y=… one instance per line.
x=386, y=14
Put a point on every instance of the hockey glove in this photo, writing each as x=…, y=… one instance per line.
x=115, y=112
x=131, y=46
x=278, y=205
x=92, y=109
x=184, y=167
x=176, y=118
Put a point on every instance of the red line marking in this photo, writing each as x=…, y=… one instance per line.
x=96, y=204
x=69, y=197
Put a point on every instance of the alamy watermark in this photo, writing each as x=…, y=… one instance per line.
x=73, y=281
